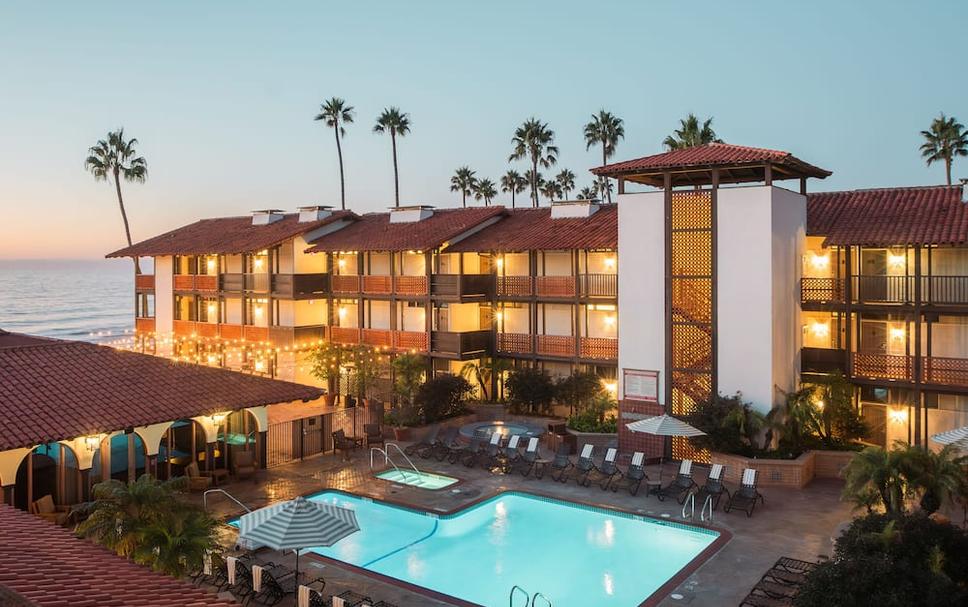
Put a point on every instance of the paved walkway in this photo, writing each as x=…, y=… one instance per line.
x=793, y=523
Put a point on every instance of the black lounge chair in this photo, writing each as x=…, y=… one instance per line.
x=436, y=441
x=681, y=485
x=527, y=459
x=561, y=464
x=492, y=450
x=608, y=470
x=241, y=587
x=469, y=450
x=584, y=466
x=746, y=496
x=634, y=474
x=509, y=454
x=426, y=441
x=446, y=443
x=277, y=584
x=714, y=487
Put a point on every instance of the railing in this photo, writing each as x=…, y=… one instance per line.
x=883, y=289
x=250, y=333
x=944, y=289
x=462, y=285
x=601, y=348
x=520, y=591
x=206, y=329
x=823, y=360
x=232, y=282
x=410, y=340
x=377, y=285
x=257, y=282
x=344, y=335
x=144, y=282
x=299, y=285
x=460, y=344
x=515, y=343
x=555, y=286
x=144, y=325
x=380, y=338
x=822, y=290
x=183, y=282
x=555, y=345
x=945, y=371
x=410, y=285
x=230, y=331
x=514, y=286
x=345, y=283
x=183, y=327
x=882, y=366
x=226, y=494
x=598, y=285
x=301, y=336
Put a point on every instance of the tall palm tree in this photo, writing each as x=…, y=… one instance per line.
x=463, y=181
x=945, y=139
x=876, y=473
x=336, y=114
x=690, y=133
x=551, y=190
x=117, y=158
x=535, y=141
x=397, y=123
x=605, y=129
x=565, y=179
x=484, y=190
x=513, y=182
x=588, y=193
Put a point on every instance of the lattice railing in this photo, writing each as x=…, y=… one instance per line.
x=410, y=285
x=379, y=338
x=555, y=345
x=410, y=340
x=822, y=290
x=883, y=366
x=345, y=284
x=555, y=286
x=945, y=371
x=344, y=335
x=599, y=348
x=515, y=343
x=519, y=286
x=377, y=284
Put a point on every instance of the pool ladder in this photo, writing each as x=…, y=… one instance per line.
x=388, y=461
x=529, y=600
x=689, y=507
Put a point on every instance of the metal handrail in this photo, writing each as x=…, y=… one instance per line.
x=226, y=494
x=702, y=511
x=689, y=504
x=543, y=598
x=527, y=597
x=404, y=455
x=386, y=460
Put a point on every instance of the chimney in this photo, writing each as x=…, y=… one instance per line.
x=410, y=214
x=314, y=213
x=266, y=216
x=573, y=209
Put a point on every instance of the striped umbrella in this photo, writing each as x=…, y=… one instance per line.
x=957, y=437
x=297, y=524
x=664, y=425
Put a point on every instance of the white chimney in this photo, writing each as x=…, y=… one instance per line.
x=266, y=216
x=314, y=213
x=410, y=214
x=573, y=209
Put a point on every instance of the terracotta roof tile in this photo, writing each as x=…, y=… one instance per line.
x=227, y=235
x=57, y=390
x=932, y=215
x=374, y=232
x=534, y=229
x=50, y=567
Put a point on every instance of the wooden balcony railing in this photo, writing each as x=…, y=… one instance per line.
x=514, y=286
x=234, y=283
x=346, y=283
x=379, y=338
x=555, y=286
x=945, y=371
x=943, y=290
x=822, y=290
x=410, y=285
x=183, y=282
x=144, y=325
x=206, y=329
x=410, y=340
x=598, y=285
x=304, y=336
x=183, y=327
x=555, y=345
x=883, y=289
x=206, y=282
x=462, y=285
x=258, y=283
x=230, y=331
x=250, y=333
x=344, y=335
x=195, y=282
x=377, y=285
x=599, y=348
x=823, y=360
x=882, y=366
x=300, y=285
x=515, y=343
x=144, y=282
x=461, y=344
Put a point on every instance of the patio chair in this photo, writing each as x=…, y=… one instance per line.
x=753, y=599
x=243, y=463
x=238, y=578
x=491, y=451
x=349, y=598
x=346, y=444
x=427, y=441
x=561, y=464
x=527, y=460
x=438, y=438
x=374, y=434
x=277, y=585
x=713, y=488
x=608, y=470
x=446, y=443
x=510, y=454
x=584, y=467
x=634, y=474
x=197, y=481
x=465, y=452
x=681, y=485
x=746, y=496
x=790, y=571
x=47, y=510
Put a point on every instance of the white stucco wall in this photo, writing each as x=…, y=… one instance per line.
x=378, y=315
x=164, y=298
x=555, y=263
x=556, y=319
x=641, y=285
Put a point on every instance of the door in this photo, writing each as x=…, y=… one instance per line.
x=875, y=416
x=873, y=278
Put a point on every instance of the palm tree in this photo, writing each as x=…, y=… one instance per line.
x=514, y=183
x=938, y=475
x=535, y=141
x=876, y=473
x=945, y=139
x=691, y=134
x=605, y=129
x=463, y=181
x=397, y=123
x=566, y=180
x=551, y=190
x=176, y=542
x=116, y=157
x=485, y=190
x=337, y=114
x=587, y=193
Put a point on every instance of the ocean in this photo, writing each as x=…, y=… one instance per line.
x=91, y=300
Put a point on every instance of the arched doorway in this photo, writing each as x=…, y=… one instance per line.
x=237, y=433
x=182, y=444
x=121, y=457
x=50, y=469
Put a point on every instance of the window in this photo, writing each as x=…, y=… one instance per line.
x=185, y=307
x=145, y=305
x=208, y=309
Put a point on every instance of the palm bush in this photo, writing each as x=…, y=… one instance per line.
x=443, y=397
x=599, y=416
x=530, y=391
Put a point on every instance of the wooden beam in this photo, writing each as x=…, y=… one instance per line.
x=803, y=186
x=768, y=174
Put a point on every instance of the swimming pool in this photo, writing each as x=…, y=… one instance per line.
x=424, y=480
x=575, y=555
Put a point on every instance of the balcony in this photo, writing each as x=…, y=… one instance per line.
x=823, y=360
x=598, y=348
x=410, y=285
x=232, y=282
x=144, y=282
x=598, y=285
x=562, y=346
x=461, y=285
x=515, y=343
x=514, y=286
x=344, y=335
x=295, y=286
x=464, y=344
x=555, y=286
x=256, y=283
x=945, y=371
x=293, y=336
x=410, y=340
x=378, y=338
x=195, y=282
x=944, y=290
x=144, y=325
x=183, y=327
x=890, y=367
x=345, y=284
x=377, y=285
x=822, y=290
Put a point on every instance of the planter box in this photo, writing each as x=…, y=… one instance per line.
x=601, y=440
x=785, y=472
x=830, y=464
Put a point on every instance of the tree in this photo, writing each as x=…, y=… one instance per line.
x=463, y=181
x=535, y=141
x=176, y=542
x=578, y=389
x=587, y=193
x=484, y=372
x=604, y=129
x=530, y=390
x=551, y=190
x=514, y=183
x=116, y=157
x=566, y=181
x=397, y=124
x=936, y=476
x=325, y=361
x=368, y=366
x=336, y=114
x=408, y=374
x=442, y=397
x=876, y=476
x=943, y=141
x=485, y=190
x=690, y=134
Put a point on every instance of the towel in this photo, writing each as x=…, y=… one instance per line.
x=637, y=458
x=338, y=602
x=303, y=595
x=513, y=443
x=256, y=578
x=230, y=565
x=207, y=563
x=716, y=471
x=685, y=468
x=533, y=444
x=749, y=477
x=610, y=455
x=586, y=451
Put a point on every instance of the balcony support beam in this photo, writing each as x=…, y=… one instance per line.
x=918, y=361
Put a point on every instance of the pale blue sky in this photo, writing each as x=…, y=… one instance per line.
x=222, y=94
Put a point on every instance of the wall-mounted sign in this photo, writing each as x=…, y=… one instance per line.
x=640, y=385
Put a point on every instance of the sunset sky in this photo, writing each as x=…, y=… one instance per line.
x=221, y=96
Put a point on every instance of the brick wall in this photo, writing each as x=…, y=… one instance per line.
x=628, y=441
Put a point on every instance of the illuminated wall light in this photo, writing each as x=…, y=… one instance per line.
x=819, y=328
x=898, y=333
x=610, y=320
x=896, y=261
x=820, y=261
x=898, y=415
x=611, y=387
x=210, y=264
x=258, y=263
x=341, y=263
x=500, y=263
x=610, y=263
x=212, y=308
x=260, y=366
x=342, y=312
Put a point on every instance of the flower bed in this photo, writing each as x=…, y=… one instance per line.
x=785, y=472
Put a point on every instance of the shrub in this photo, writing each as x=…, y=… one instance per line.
x=578, y=390
x=408, y=373
x=731, y=425
x=530, y=391
x=892, y=561
x=442, y=397
x=599, y=416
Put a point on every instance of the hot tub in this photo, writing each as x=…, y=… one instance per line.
x=506, y=429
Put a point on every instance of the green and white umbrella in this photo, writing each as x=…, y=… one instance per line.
x=957, y=437
x=298, y=524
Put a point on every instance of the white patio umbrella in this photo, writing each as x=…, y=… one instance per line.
x=664, y=425
x=957, y=437
x=298, y=524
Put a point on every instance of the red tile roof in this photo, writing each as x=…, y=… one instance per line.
x=227, y=235
x=932, y=215
x=50, y=567
x=374, y=232
x=53, y=390
x=534, y=229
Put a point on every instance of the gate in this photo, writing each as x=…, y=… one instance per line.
x=308, y=437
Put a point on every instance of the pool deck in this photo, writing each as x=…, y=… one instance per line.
x=795, y=523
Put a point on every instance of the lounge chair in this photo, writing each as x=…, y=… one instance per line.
x=608, y=470
x=238, y=578
x=468, y=451
x=634, y=474
x=527, y=459
x=196, y=480
x=47, y=510
x=277, y=584
x=714, y=487
x=680, y=485
x=243, y=463
x=746, y=496
x=448, y=442
x=510, y=454
x=427, y=451
x=561, y=464
x=374, y=434
x=491, y=451
x=427, y=441
x=790, y=571
x=584, y=466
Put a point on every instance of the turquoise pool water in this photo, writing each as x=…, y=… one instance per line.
x=576, y=556
x=424, y=480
